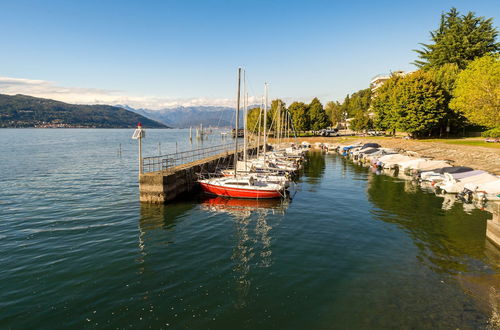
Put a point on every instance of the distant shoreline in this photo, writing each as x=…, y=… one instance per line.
x=86, y=127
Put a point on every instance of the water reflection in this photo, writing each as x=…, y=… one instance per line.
x=253, y=246
x=158, y=217
x=447, y=240
x=485, y=290
x=315, y=167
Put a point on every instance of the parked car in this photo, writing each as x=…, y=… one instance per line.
x=329, y=132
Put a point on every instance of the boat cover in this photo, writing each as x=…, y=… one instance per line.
x=424, y=164
x=454, y=169
x=370, y=145
x=463, y=175
x=369, y=151
x=491, y=187
x=395, y=159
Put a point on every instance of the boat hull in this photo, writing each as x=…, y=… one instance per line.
x=238, y=192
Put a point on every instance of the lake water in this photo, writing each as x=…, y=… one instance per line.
x=353, y=249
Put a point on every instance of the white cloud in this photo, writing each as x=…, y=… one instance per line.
x=79, y=95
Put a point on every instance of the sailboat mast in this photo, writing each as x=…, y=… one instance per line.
x=278, y=122
x=282, y=126
x=265, y=122
x=237, y=123
x=245, y=112
x=260, y=127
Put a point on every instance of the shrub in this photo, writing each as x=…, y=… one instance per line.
x=492, y=133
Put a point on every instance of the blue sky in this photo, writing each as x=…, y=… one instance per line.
x=161, y=53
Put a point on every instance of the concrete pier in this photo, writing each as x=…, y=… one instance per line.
x=160, y=187
x=493, y=225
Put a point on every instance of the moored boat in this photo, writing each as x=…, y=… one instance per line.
x=242, y=187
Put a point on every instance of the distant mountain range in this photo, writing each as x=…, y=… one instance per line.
x=27, y=111
x=184, y=117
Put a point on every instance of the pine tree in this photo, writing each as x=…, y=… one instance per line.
x=334, y=112
x=317, y=115
x=459, y=40
x=300, y=116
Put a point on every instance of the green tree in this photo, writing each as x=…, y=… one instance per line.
x=253, y=120
x=384, y=105
x=477, y=92
x=317, y=115
x=346, y=108
x=459, y=40
x=360, y=122
x=445, y=76
x=414, y=104
x=300, y=116
x=272, y=119
x=419, y=104
x=359, y=101
x=334, y=112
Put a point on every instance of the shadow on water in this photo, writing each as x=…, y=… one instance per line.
x=160, y=216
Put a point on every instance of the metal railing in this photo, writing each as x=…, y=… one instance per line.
x=163, y=162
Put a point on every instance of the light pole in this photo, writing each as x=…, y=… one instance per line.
x=139, y=133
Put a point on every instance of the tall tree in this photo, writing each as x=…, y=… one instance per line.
x=334, y=112
x=477, y=92
x=459, y=40
x=272, y=120
x=414, y=104
x=445, y=76
x=359, y=101
x=300, y=116
x=346, y=106
x=317, y=115
x=383, y=105
x=420, y=104
x=253, y=120
x=360, y=122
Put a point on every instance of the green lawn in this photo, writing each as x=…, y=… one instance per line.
x=478, y=142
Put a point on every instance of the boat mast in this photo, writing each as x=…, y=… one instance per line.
x=287, y=126
x=245, y=111
x=237, y=123
x=277, y=131
x=265, y=122
x=260, y=126
x=283, y=118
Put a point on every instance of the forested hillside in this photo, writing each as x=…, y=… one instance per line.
x=27, y=111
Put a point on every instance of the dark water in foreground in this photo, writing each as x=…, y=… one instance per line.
x=352, y=250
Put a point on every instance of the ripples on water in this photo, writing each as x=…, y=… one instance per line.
x=352, y=249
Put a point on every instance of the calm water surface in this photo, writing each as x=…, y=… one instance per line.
x=353, y=249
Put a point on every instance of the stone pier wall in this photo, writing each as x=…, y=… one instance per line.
x=493, y=225
x=163, y=186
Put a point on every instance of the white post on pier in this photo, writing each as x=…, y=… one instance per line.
x=139, y=134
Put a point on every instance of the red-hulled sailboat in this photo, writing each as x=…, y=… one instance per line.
x=239, y=186
x=242, y=187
